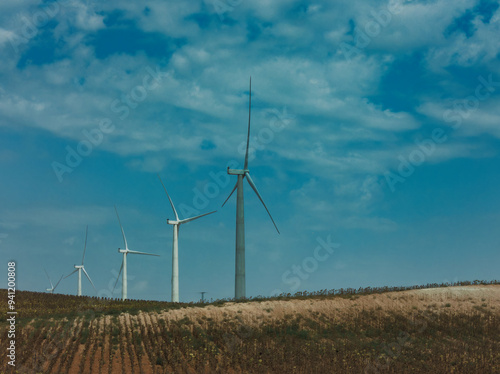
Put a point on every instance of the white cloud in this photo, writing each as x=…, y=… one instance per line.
x=413, y=25
x=203, y=95
x=482, y=47
x=65, y=219
x=5, y=36
x=140, y=286
x=481, y=118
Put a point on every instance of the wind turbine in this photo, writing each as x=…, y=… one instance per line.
x=175, y=245
x=79, y=268
x=52, y=287
x=125, y=252
x=239, y=289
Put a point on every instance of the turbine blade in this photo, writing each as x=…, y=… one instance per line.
x=85, y=247
x=73, y=272
x=90, y=280
x=57, y=282
x=171, y=203
x=123, y=232
x=236, y=185
x=248, y=135
x=252, y=184
x=193, y=218
x=143, y=253
x=48, y=277
x=118, y=277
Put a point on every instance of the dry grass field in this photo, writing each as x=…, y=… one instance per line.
x=436, y=330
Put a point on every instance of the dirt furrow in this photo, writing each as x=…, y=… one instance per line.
x=63, y=340
x=146, y=339
x=90, y=345
x=53, y=348
x=67, y=332
x=129, y=343
x=114, y=363
x=106, y=348
x=74, y=351
x=95, y=363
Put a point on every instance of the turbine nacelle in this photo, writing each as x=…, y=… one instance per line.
x=78, y=266
x=173, y=222
x=237, y=171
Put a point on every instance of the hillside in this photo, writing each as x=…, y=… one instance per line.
x=439, y=330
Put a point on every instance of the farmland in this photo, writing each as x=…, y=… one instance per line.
x=421, y=330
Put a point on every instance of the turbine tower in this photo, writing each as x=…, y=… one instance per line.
x=175, y=245
x=239, y=289
x=79, y=268
x=125, y=252
x=52, y=287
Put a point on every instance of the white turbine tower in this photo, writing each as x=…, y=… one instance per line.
x=125, y=252
x=175, y=245
x=52, y=287
x=79, y=268
x=239, y=289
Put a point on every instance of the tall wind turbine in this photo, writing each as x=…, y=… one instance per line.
x=79, y=268
x=239, y=289
x=125, y=252
x=175, y=246
x=52, y=287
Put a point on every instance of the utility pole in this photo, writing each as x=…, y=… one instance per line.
x=202, y=296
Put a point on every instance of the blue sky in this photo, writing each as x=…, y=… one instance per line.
x=375, y=126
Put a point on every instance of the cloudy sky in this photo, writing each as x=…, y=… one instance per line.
x=374, y=142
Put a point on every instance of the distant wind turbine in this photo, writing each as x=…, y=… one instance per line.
x=125, y=252
x=175, y=245
x=239, y=289
x=79, y=268
x=52, y=287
